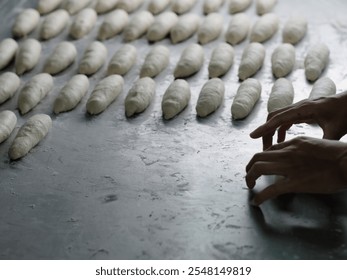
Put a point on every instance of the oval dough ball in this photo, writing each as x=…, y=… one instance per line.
x=182, y=6
x=282, y=95
x=238, y=29
x=245, y=99
x=139, y=96
x=323, y=87
x=283, y=60
x=123, y=60
x=8, y=49
x=83, y=23
x=157, y=6
x=129, y=5
x=265, y=6
x=62, y=57
x=93, y=59
x=9, y=84
x=316, y=60
x=105, y=92
x=138, y=25
x=28, y=56
x=8, y=121
x=212, y=6
x=104, y=6
x=75, y=6
x=29, y=135
x=264, y=28
x=71, y=94
x=237, y=6
x=25, y=22
x=34, y=91
x=211, y=28
x=113, y=24
x=161, y=26
x=222, y=58
x=155, y=62
x=175, y=98
x=54, y=24
x=47, y=6
x=190, y=62
x=252, y=60
x=211, y=97
x=185, y=27
x=294, y=29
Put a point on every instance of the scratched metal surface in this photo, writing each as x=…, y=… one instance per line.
x=108, y=187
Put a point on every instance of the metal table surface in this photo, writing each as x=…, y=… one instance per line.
x=109, y=187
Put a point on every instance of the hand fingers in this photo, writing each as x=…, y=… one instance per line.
x=269, y=156
x=281, y=134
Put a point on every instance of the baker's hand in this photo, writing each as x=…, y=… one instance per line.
x=307, y=165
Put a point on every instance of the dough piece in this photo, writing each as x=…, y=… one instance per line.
x=9, y=84
x=8, y=121
x=113, y=24
x=62, y=57
x=211, y=28
x=138, y=25
x=28, y=55
x=34, y=91
x=246, y=97
x=29, y=135
x=94, y=57
x=47, y=6
x=139, y=96
x=283, y=60
x=237, y=6
x=316, y=60
x=161, y=26
x=54, y=24
x=182, y=6
x=238, y=29
x=265, y=6
x=155, y=62
x=104, y=6
x=75, y=6
x=185, y=27
x=123, y=60
x=294, y=29
x=175, y=98
x=323, y=87
x=282, y=95
x=264, y=28
x=222, y=58
x=190, y=62
x=212, y=6
x=105, y=92
x=211, y=97
x=157, y=6
x=83, y=23
x=252, y=60
x=71, y=94
x=129, y=5
x=25, y=22
x=8, y=49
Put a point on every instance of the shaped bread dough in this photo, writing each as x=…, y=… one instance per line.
x=8, y=121
x=265, y=6
x=252, y=60
x=283, y=60
x=71, y=94
x=34, y=91
x=212, y=6
x=113, y=24
x=54, y=24
x=238, y=29
x=211, y=97
x=161, y=26
x=175, y=98
x=123, y=60
x=155, y=62
x=282, y=95
x=63, y=55
x=294, y=29
x=105, y=92
x=93, y=58
x=246, y=97
x=83, y=23
x=210, y=28
x=47, y=6
x=9, y=84
x=104, y=6
x=190, y=62
x=323, y=87
x=138, y=25
x=316, y=60
x=75, y=6
x=237, y=6
x=139, y=96
x=28, y=55
x=25, y=22
x=8, y=49
x=264, y=28
x=182, y=6
x=129, y=5
x=157, y=6
x=29, y=135
x=185, y=27
x=222, y=58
